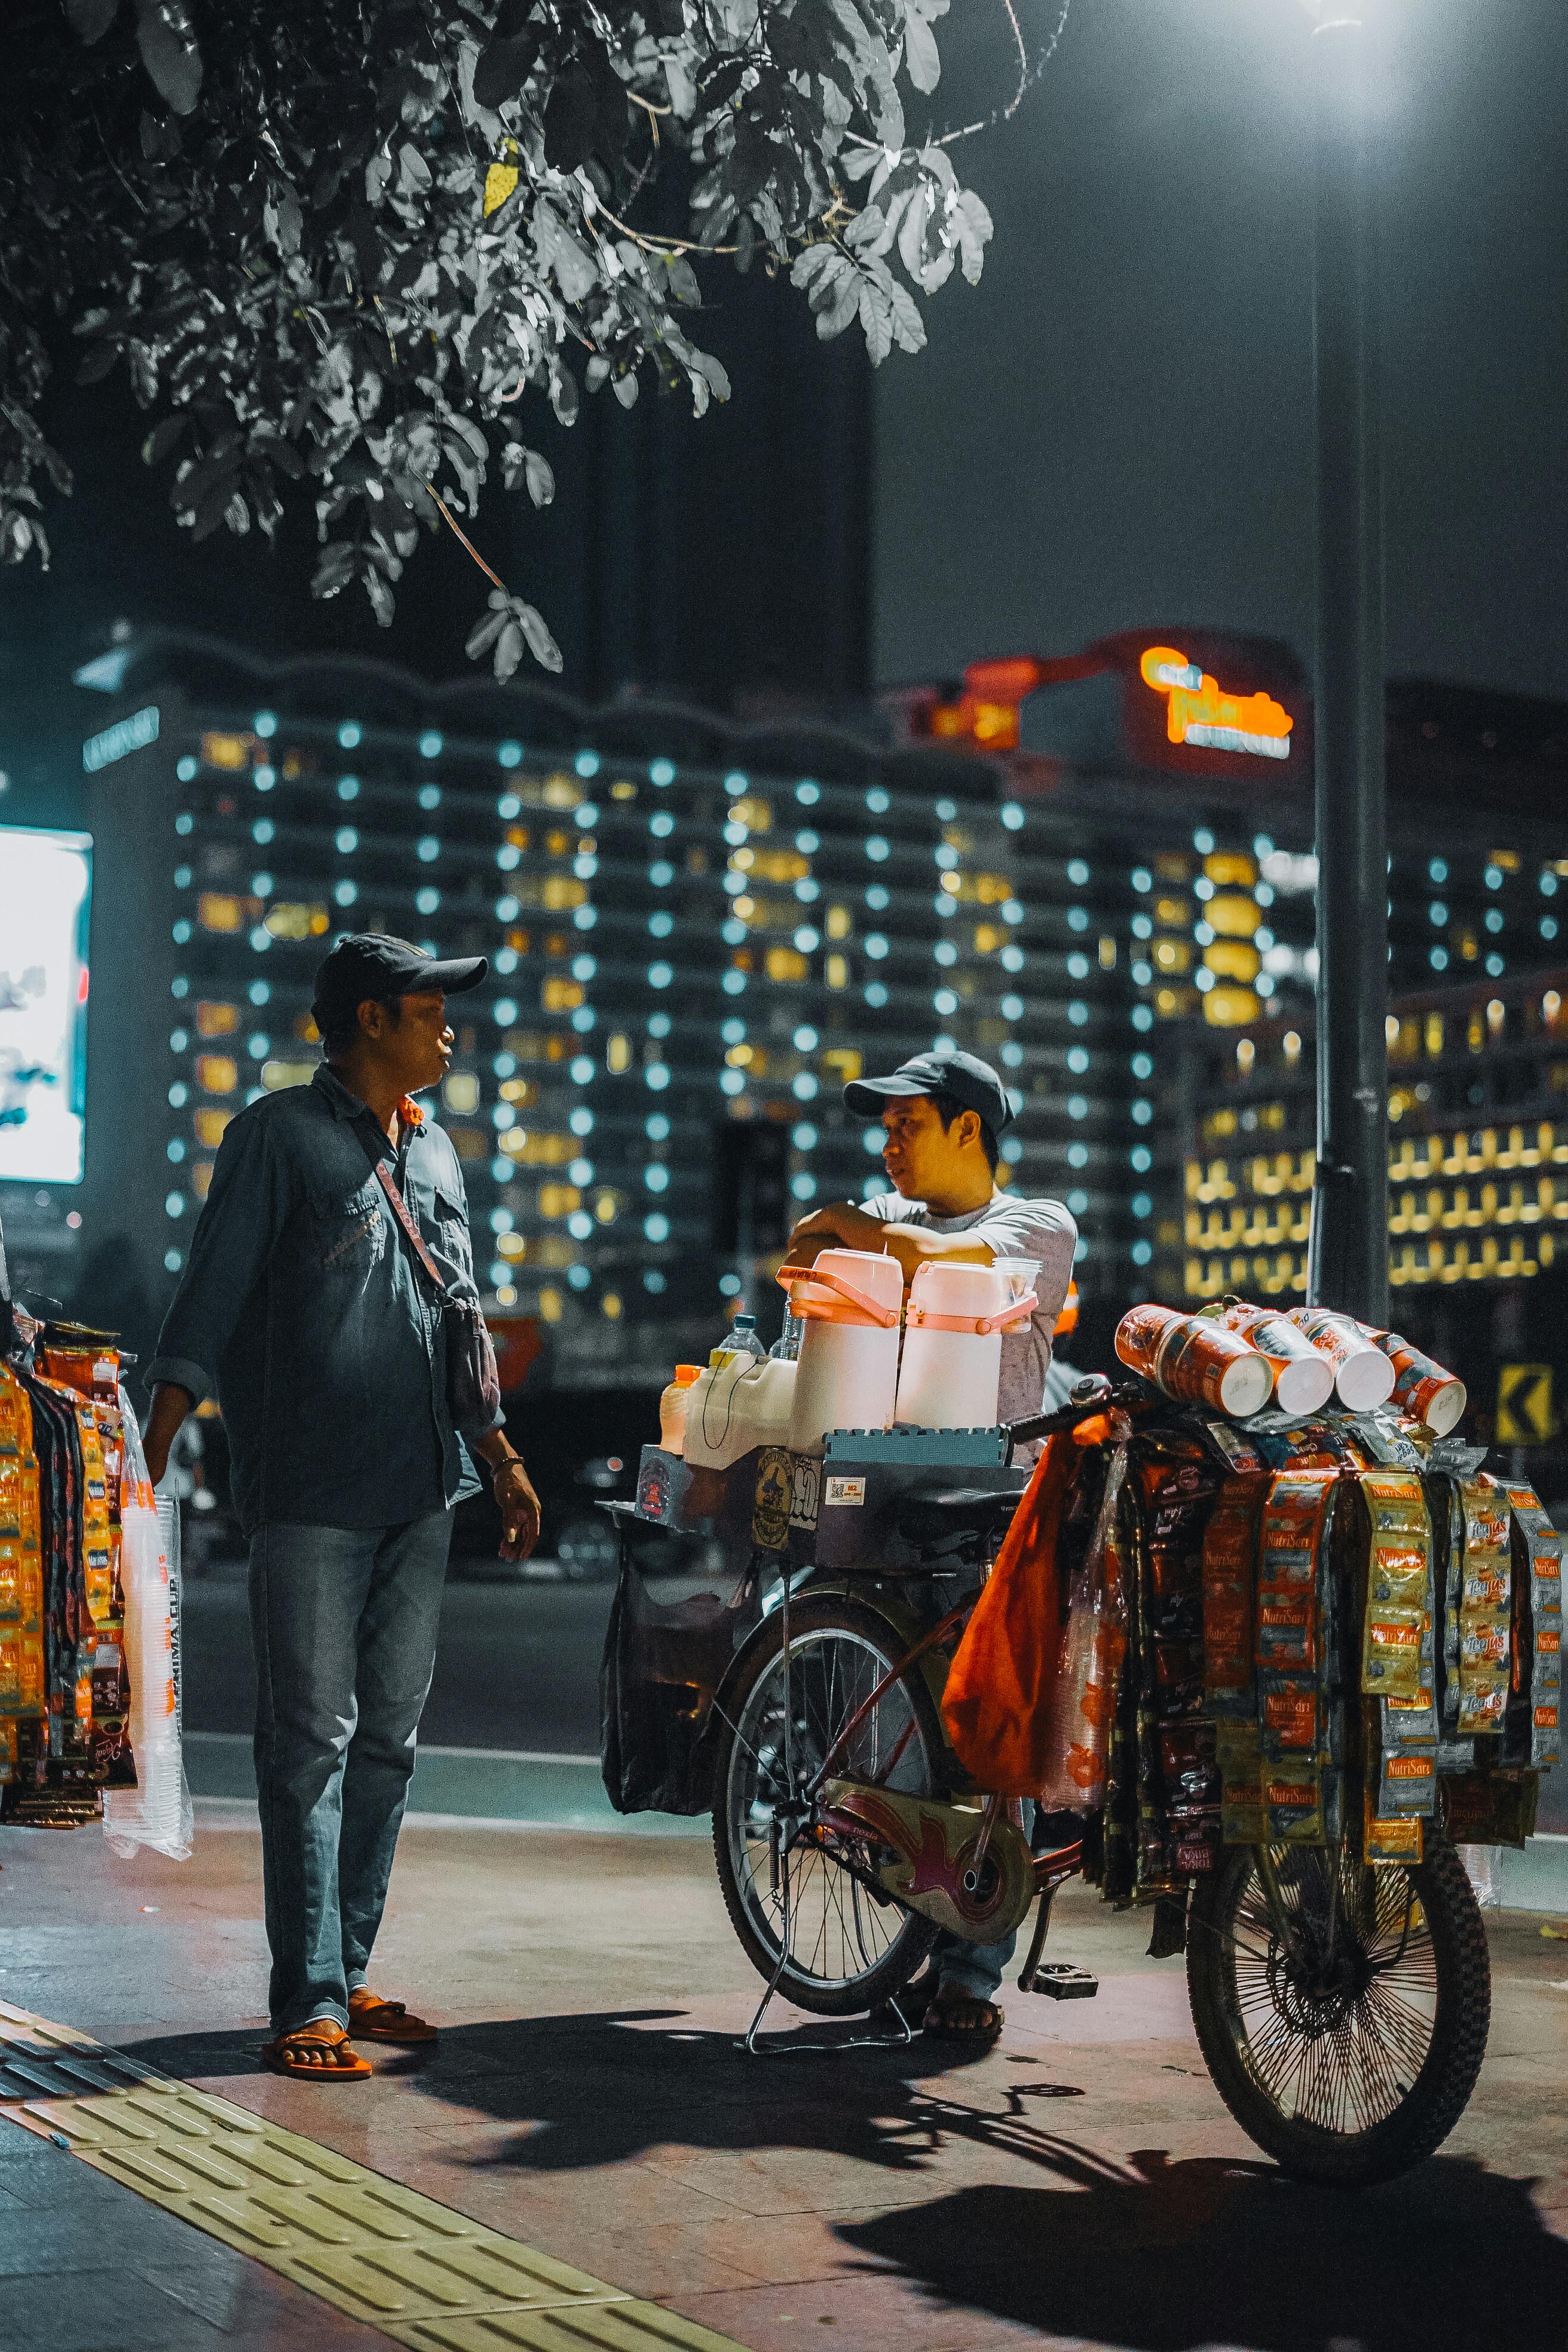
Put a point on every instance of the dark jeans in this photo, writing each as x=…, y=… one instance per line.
x=344, y=1622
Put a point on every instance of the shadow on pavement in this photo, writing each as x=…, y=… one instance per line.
x=1144, y=2253
x=1162, y=2257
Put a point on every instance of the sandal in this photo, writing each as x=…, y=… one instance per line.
x=318, y=2052
x=371, y=2019
x=963, y=2017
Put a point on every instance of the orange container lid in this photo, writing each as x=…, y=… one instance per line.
x=686, y=1373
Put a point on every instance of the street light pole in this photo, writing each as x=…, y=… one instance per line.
x=1348, y=1255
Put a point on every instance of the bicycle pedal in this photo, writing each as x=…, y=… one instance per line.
x=1063, y=1981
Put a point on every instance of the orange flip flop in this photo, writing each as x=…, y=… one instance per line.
x=371, y=2019
x=337, y=2063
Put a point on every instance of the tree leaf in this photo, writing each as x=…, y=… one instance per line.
x=539, y=476
x=167, y=40
x=483, y=635
x=91, y=19
x=508, y=649
x=921, y=55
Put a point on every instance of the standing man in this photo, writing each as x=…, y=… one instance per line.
x=942, y=1113
x=304, y=1308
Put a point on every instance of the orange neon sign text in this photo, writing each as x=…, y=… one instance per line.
x=1200, y=715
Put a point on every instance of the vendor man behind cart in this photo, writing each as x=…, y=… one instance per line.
x=943, y=1113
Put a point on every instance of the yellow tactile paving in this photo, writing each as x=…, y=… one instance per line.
x=423, y=2275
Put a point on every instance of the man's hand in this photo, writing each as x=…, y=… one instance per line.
x=515, y=1497
x=840, y=1225
x=519, y=1508
x=170, y=1407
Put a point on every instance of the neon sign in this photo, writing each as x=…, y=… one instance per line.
x=1201, y=715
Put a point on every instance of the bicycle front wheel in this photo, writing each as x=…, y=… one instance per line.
x=1345, y=2030
x=806, y=1906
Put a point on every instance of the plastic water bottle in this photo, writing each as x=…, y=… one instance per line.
x=744, y=1337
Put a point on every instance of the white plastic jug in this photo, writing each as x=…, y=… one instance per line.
x=743, y=1402
x=847, y=1371
x=953, y=1344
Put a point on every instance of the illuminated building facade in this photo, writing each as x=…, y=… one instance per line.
x=1096, y=873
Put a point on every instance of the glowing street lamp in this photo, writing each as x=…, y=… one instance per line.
x=1348, y=1259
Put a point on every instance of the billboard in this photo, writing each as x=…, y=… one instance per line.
x=46, y=886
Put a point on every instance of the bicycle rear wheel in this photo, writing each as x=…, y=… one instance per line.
x=806, y=1908
x=1348, y=2046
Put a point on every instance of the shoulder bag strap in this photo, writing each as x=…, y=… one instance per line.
x=401, y=1211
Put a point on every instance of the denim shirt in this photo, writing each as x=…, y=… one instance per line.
x=303, y=1309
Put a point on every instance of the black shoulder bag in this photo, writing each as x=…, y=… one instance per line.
x=473, y=1382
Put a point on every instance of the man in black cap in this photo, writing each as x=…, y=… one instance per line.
x=304, y=1308
x=942, y=1114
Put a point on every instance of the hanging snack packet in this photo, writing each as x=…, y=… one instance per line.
x=1484, y=1658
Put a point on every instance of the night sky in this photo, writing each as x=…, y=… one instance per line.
x=1116, y=428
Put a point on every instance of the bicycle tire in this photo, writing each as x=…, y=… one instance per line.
x=908, y=1949
x=1429, y=2105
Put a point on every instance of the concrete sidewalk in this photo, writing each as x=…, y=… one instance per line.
x=1079, y=2185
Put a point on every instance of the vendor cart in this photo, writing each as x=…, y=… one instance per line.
x=1336, y=1658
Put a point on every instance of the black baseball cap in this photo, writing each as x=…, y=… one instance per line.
x=373, y=964
x=964, y=1076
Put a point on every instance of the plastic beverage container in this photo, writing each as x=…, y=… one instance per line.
x=847, y=1371
x=952, y=1345
x=1362, y=1372
x=1195, y=1360
x=744, y=1335
x=1303, y=1376
x=730, y=1410
x=672, y=1407
x=1427, y=1392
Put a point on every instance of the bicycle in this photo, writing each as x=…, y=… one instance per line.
x=1341, y=2009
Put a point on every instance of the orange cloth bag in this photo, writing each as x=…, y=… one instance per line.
x=998, y=1706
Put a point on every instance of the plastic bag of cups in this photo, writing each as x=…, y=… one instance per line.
x=1237, y=1359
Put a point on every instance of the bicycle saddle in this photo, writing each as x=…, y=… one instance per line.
x=938, y=1519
